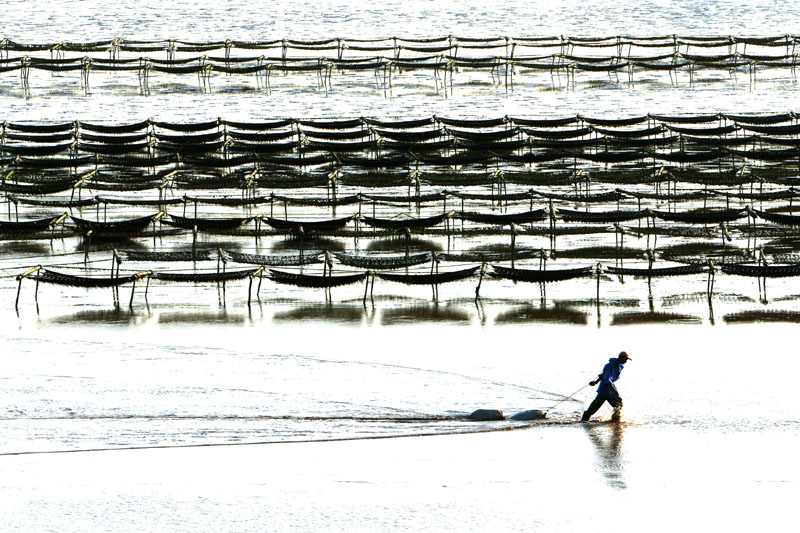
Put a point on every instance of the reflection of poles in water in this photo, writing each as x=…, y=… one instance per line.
x=599, y=269
x=221, y=259
x=710, y=312
x=327, y=271
x=300, y=234
x=194, y=243
x=371, y=316
x=762, y=281
x=607, y=440
x=513, y=243
x=479, y=306
x=370, y=277
x=435, y=264
x=650, y=259
x=542, y=289
x=712, y=270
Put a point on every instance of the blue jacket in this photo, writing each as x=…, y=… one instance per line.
x=609, y=375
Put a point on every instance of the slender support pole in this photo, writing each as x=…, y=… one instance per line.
x=19, y=288
x=23, y=276
x=599, y=272
x=301, y=232
x=366, y=288
x=88, y=245
x=513, y=243
x=224, y=265
x=710, y=284
x=480, y=280
x=258, y=229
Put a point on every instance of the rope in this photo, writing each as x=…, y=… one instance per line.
x=570, y=397
x=267, y=442
x=59, y=265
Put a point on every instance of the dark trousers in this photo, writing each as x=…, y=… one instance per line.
x=600, y=399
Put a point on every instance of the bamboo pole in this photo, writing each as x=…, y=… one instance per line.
x=20, y=278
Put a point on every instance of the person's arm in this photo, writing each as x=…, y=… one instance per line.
x=596, y=381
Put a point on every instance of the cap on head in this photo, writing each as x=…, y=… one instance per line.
x=624, y=355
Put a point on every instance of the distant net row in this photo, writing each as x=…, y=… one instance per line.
x=245, y=188
x=135, y=227
x=384, y=73
x=204, y=65
x=435, y=44
x=428, y=134
x=328, y=279
x=768, y=141
x=732, y=121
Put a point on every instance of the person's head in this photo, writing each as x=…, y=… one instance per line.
x=623, y=357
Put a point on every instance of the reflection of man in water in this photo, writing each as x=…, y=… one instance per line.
x=607, y=391
x=607, y=439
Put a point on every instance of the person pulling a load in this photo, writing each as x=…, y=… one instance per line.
x=607, y=391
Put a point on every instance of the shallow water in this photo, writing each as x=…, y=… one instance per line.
x=91, y=381
x=204, y=406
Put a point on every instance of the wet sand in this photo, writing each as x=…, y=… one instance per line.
x=557, y=478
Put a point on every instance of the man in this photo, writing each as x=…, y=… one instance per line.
x=607, y=391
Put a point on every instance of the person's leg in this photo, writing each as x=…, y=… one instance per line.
x=593, y=407
x=616, y=402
